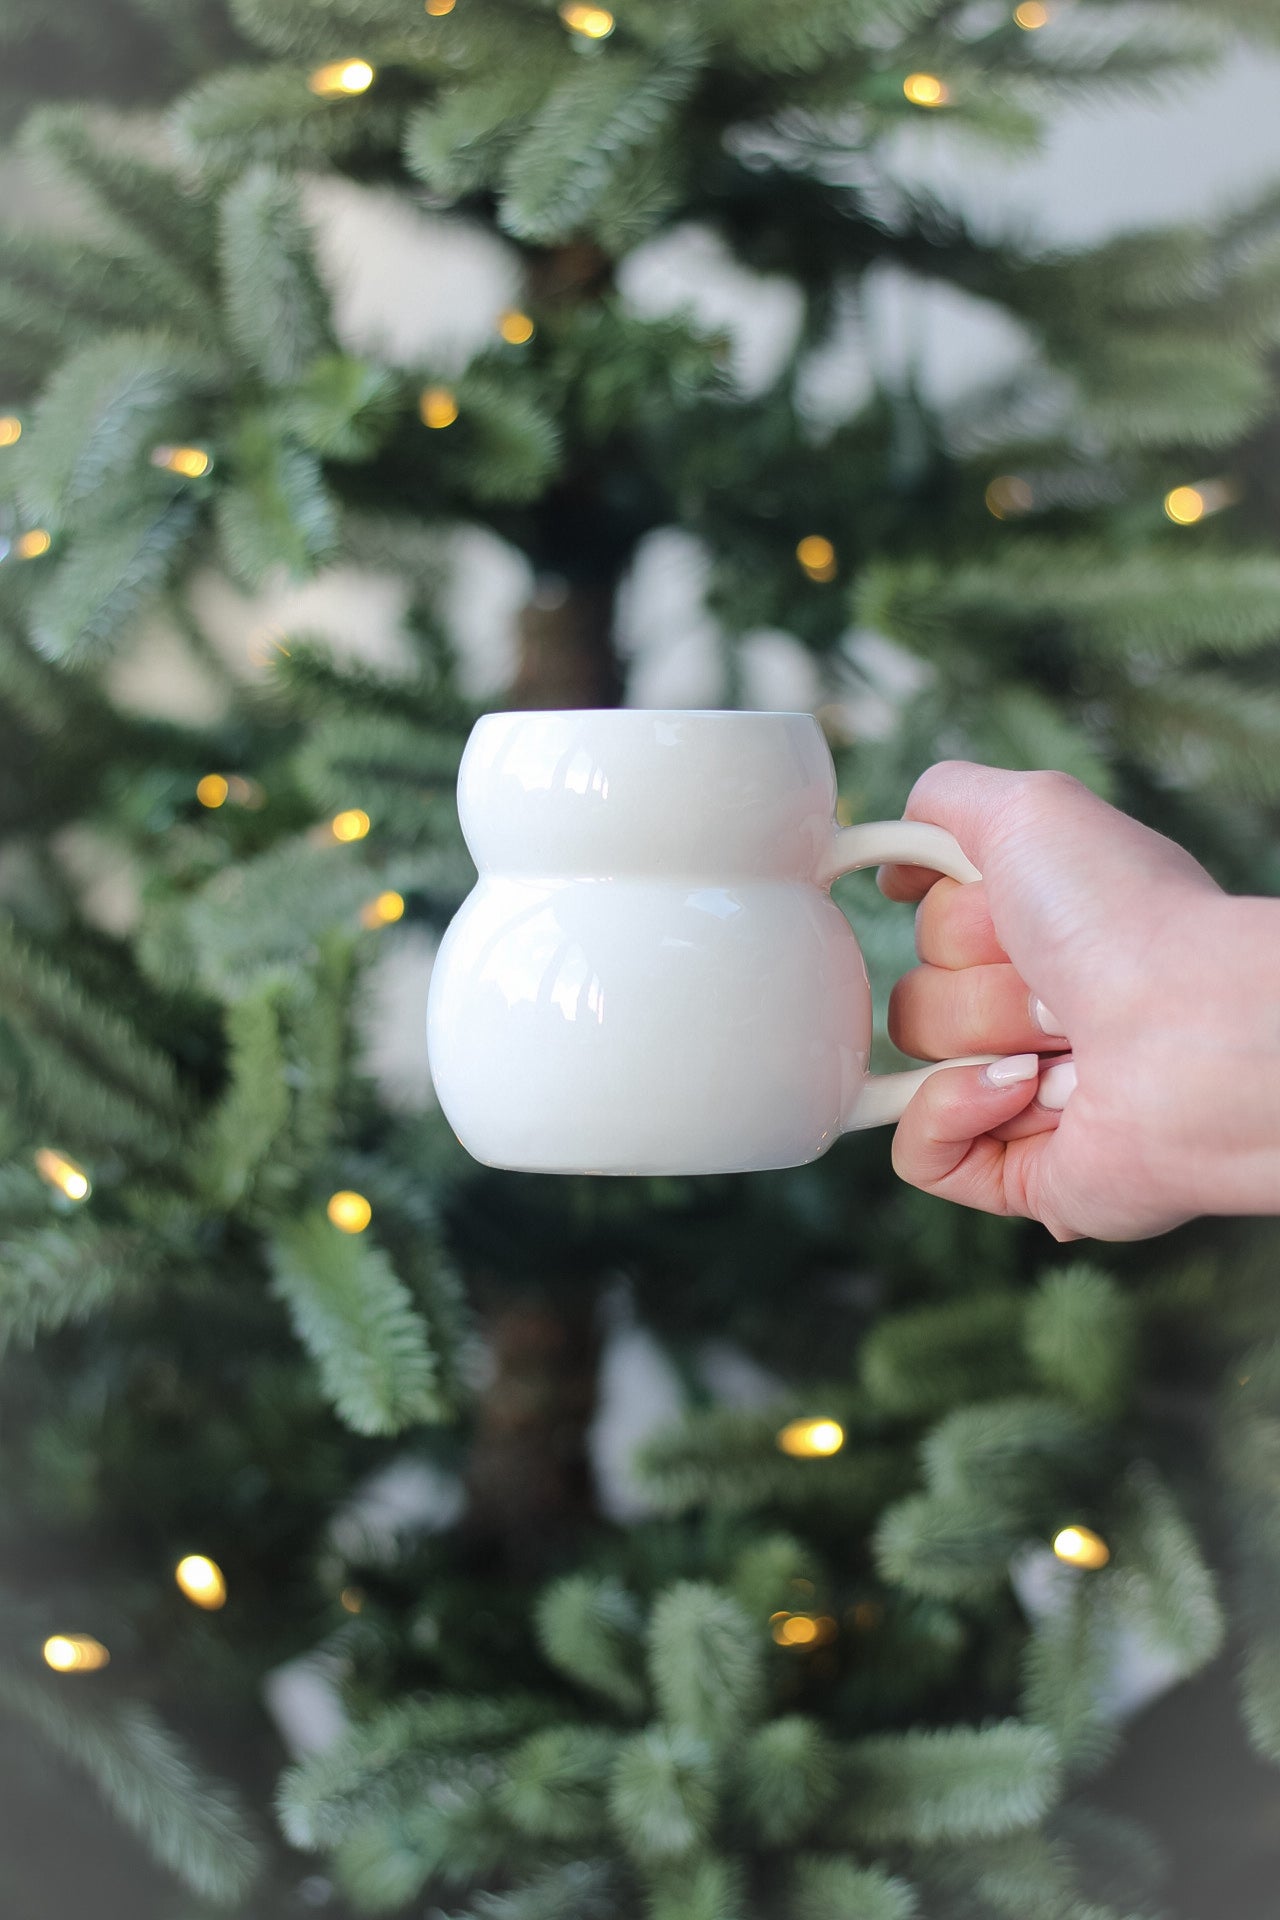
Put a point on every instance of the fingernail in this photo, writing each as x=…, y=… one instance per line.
x=1011, y=1070
x=1057, y=1084
x=1046, y=1021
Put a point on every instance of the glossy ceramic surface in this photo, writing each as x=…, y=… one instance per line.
x=650, y=976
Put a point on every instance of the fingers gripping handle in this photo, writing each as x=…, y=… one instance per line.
x=882, y=1097
x=907, y=843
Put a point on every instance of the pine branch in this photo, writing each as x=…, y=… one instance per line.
x=167, y=220
x=1010, y=1456
x=1065, y=1676
x=84, y=1070
x=100, y=414
x=930, y=1358
x=243, y=114
x=243, y=1128
x=277, y=513
x=728, y=1458
x=264, y=921
x=589, y=126
x=590, y=1629
x=455, y=1837
x=393, y=1760
x=1165, y=1585
x=825, y=1887
x=958, y=1783
x=187, y=1822
x=785, y=1777
x=1161, y=602
x=661, y=1794
x=555, y=1785
x=706, y=1887
x=705, y=1663
x=56, y=1276
x=359, y=1325
x=106, y=580
x=276, y=309
x=583, y=1890
x=404, y=773
x=457, y=142
x=1014, y=725
x=1081, y=1337
x=58, y=295
x=946, y=1549
x=1207, y=730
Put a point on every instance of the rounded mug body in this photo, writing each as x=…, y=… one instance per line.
x=649, y=975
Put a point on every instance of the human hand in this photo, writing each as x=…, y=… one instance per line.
x=1093, y=939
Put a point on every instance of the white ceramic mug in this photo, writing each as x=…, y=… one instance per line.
x=650, y=975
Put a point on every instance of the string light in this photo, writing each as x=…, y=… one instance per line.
x=811, y=1439
x=925, y=90
x=190, y=462
x=202, y=1581
x=437, y=407
x=1081, y=1547
x=438, y=8
x=817, y=556
x=515, y=327
x=74, y=1653
x=30, y=545
x=351, y=1599
x=341, y=77
x=58, y=1170
x=1030, y=15
x=593, y=23
x=803, y=1629
x=349, y=1212
x=1186, y=505
x=351, y=824
x=212, y=790
x=10, y=430
x=384, y=911
x=1007, y=495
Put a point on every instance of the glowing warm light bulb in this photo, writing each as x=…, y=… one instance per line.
x=349, y=1212
x=30, y=545
x=384, y=911
x=811, y=1439
x=438, y=8
x=594, y=23
x=351, y=824
x=351, y=1599
x=212, y=790
x=202, y=1581
x=57, y=1170
x=1031, y=14
x=10, y=429
x=74, y=1653
x=437, y=407
x=515, y=327
x=817, y=556
x=190, y=462
x=1009, y=494
x=802, y=1629
x=1184, y=505
x=1081, y=1547
x=925, y=90
x=341, y=77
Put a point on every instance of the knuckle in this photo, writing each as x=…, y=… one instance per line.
x=1049, y=786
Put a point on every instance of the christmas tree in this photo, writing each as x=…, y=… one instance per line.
x=298, y=1400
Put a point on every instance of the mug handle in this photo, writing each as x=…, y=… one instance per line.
x=882, y=1097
